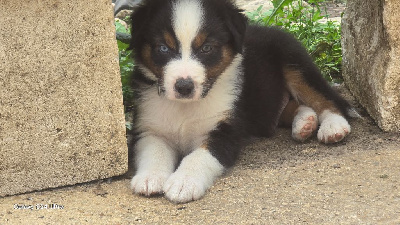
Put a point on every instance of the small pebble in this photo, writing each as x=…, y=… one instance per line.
x=336, y=166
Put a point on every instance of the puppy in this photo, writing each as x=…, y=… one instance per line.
x=205, y=81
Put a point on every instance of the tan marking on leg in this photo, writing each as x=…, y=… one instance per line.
x=288, y=114
x=334, y=127
x=204, y=145
x=306, y=94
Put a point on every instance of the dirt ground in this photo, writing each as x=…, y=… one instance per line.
x=276, y=181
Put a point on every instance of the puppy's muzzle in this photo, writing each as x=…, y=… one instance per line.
x=184, y=88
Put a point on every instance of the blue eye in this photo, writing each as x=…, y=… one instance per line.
x=163, y=49
x=206, y=49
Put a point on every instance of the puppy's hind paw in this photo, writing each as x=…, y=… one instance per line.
x=334, y=128
x=304, y=123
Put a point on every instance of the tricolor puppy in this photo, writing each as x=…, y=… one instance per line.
x=205, y=81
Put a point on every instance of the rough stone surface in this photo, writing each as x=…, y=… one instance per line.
x=61, y=111
x=371, y=59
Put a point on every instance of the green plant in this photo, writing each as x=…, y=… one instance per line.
x=305, y=21
x=126, y=65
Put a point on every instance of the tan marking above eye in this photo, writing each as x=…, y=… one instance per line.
x=226, y=59
x=199, y=40
x=170, y=40
x=148, y=62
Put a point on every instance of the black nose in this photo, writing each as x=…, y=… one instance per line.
x=184, y=87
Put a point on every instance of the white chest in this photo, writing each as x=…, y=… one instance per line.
x=182, y=125
x=186, y=125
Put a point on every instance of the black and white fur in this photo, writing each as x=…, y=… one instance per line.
x=206, y=80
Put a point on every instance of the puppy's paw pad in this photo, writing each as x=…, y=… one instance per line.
x=304, y=123
x=149, y=183
x=181, y=188
x=333, y=129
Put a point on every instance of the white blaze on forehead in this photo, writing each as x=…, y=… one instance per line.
x=187, y=19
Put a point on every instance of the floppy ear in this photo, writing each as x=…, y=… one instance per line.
x=237, y=24
x=139, y=19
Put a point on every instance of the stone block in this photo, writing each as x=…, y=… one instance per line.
x=61, y=111
x=371, y=59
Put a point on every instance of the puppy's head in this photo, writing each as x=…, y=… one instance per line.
x=185, y=45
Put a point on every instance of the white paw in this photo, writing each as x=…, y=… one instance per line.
x=149, y=183
x=304, y=123
x=181, y=187
x=333, y=128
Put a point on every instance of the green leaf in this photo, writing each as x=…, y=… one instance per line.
x=121, y=45
x=278, y=6
x=120, y=27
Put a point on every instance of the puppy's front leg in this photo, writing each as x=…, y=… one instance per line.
x=196, y=173
x=155, y=162
x=198, y=170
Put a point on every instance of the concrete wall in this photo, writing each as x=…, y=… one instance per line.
x=61, y=111
x=371, y=59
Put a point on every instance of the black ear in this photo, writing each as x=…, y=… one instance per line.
x=139, y=19
x=237, y=24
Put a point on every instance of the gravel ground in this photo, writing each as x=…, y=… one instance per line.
x=276, y=181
